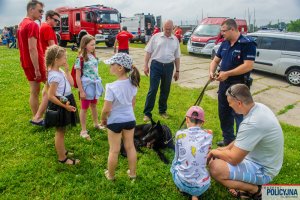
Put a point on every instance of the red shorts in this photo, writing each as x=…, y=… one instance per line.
x=85, y=104
x=30, y=75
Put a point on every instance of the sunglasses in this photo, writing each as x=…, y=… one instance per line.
x=56, y=20
x=229, y=91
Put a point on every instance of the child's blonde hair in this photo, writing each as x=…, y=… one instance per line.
x=52, y=53
x=83, y=43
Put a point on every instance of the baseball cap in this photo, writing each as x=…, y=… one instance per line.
x=122, y=59
x=198, y=110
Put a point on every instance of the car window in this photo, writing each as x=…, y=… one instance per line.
x=271, y=43
x=292, y=45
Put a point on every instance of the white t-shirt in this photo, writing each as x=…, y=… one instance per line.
x=60, y=78
x=260, y=133
x=120, y=93
x=191, y=149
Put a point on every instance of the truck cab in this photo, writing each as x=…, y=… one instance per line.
x=205, y=35
x=100, y=21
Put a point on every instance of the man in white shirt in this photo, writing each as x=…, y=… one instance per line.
x=163, y=50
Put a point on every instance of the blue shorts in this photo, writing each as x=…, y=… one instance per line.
x=249, y=172
x=118, y=127
x=185, y=187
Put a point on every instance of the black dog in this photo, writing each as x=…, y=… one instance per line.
x=155, y=136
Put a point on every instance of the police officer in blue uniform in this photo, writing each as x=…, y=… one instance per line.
x=237, y=54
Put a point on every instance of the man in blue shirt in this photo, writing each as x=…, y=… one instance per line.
x=237, y=54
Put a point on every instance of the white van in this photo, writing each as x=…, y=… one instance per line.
x=137, y=24
x=277, y=53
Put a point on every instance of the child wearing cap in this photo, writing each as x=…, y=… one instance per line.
x=192, y=146
x=117, y=113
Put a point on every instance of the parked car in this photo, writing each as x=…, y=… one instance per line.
x=186, y=37
x=277, y=53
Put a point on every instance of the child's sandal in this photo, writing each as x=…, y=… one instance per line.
x=85, y=135
x=99, y=127
x=106, y=173
x=74, y=162
x=130, y=176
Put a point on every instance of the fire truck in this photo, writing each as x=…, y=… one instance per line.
x=100, y=21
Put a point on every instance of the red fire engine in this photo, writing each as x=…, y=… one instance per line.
x=100, y=21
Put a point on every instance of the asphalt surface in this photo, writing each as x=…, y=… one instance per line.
x=269, y=89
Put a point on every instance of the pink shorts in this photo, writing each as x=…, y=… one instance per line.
x=85, y=104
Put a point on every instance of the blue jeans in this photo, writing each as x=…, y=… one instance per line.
x=227, y=114
x=159, y=74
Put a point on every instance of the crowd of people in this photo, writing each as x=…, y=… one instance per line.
x=242, y=163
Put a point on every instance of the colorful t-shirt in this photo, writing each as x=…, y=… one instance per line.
x=90, y=67
x=191, y=149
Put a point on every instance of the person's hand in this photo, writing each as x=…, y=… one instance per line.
x=37, y=74
x=66, y=67
x=146, y=70
x=70, y=108
x=82, y=94
x=209, y=157
x=222, y=76
x=115, y=50
x=176, y=76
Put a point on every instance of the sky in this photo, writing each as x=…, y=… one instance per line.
x=180, y=11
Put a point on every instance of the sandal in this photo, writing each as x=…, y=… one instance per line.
x=257, y=195
x=108, y=177
x=239, y=194
x=99, y=127
x=69, y=153
x=130, y=176
x=85, y=135
x=74, y=162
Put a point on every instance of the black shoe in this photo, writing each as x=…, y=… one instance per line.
x=221, y=144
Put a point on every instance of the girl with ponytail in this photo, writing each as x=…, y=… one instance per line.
x=117, y=113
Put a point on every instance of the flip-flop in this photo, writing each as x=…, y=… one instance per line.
x=85, y=135
x=40, y=123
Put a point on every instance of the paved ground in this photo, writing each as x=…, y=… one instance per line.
x=268, y=89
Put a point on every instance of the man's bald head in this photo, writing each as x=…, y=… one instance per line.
x=168, y=28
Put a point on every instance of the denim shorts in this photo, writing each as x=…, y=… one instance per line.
x=185, y=187
x=249, y=172
x=118, y=127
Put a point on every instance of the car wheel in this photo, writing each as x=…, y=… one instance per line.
x=293, y=77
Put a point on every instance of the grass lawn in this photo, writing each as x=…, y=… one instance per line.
x=29, y=167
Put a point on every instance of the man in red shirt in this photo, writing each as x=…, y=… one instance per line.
x=47, y=34
x=123, y=39
x=178, y=33
x=31, y=56
x=156, y=30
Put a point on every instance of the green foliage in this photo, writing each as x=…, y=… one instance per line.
x=29, y=167
x=294, y=26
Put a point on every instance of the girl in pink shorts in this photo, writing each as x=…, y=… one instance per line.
x=88, y=81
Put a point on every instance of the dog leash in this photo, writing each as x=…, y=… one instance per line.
x=199, y=99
